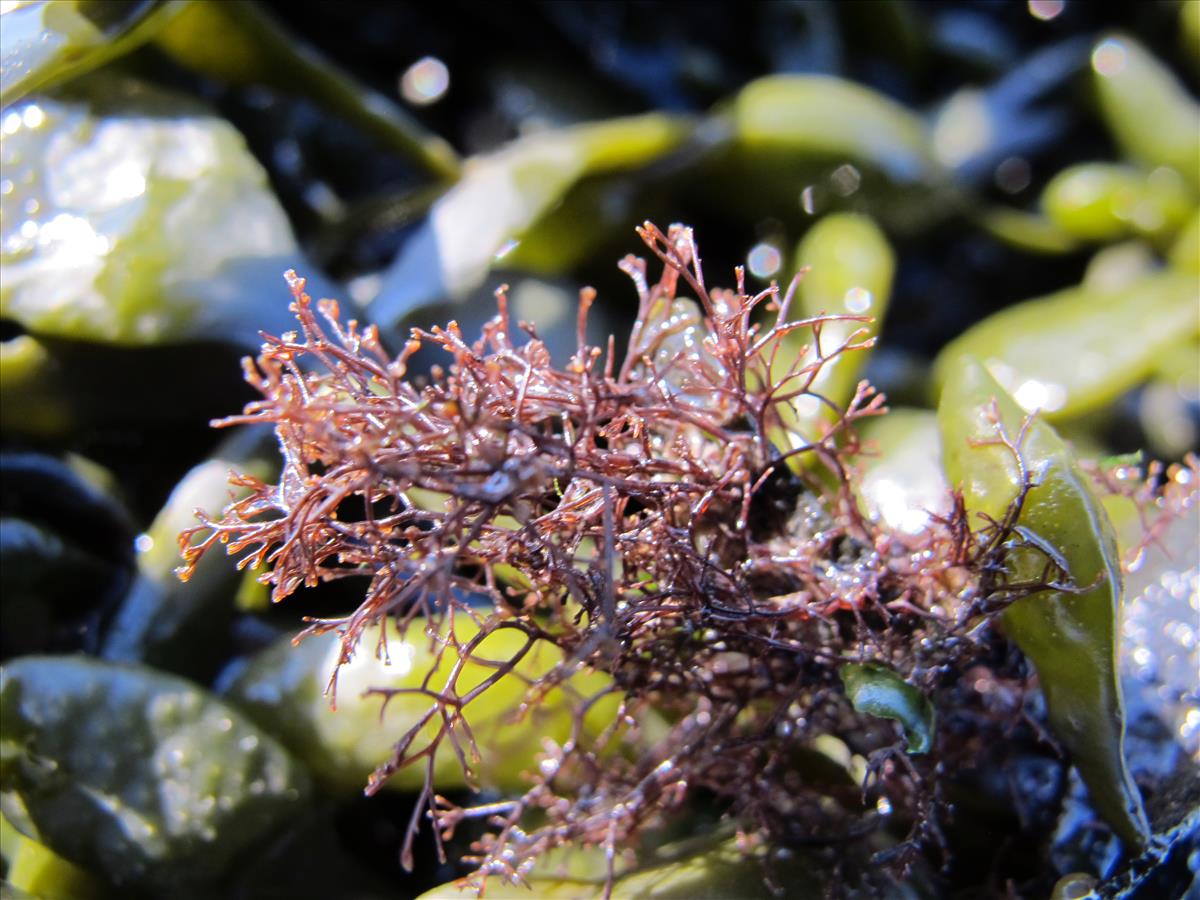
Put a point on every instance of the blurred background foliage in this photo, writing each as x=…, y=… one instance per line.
x=1013, y=181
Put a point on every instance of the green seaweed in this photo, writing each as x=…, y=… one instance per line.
x=994, y=455
x=879, y=691
x=137, y=775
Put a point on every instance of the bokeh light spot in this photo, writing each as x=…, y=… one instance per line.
x=1013, y=175
x=425, y=81
x=1046, y=9
x=764, y=260
x=858, y=300
x=1108, y=59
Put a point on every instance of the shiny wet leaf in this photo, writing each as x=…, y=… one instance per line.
x=1070, y=635
x=139, y=776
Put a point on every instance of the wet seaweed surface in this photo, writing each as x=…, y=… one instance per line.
x=844, y=544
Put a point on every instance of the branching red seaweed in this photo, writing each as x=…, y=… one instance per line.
x=653, y=518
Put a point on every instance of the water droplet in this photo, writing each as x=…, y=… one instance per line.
x=33, y=116
x=1034, y=395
